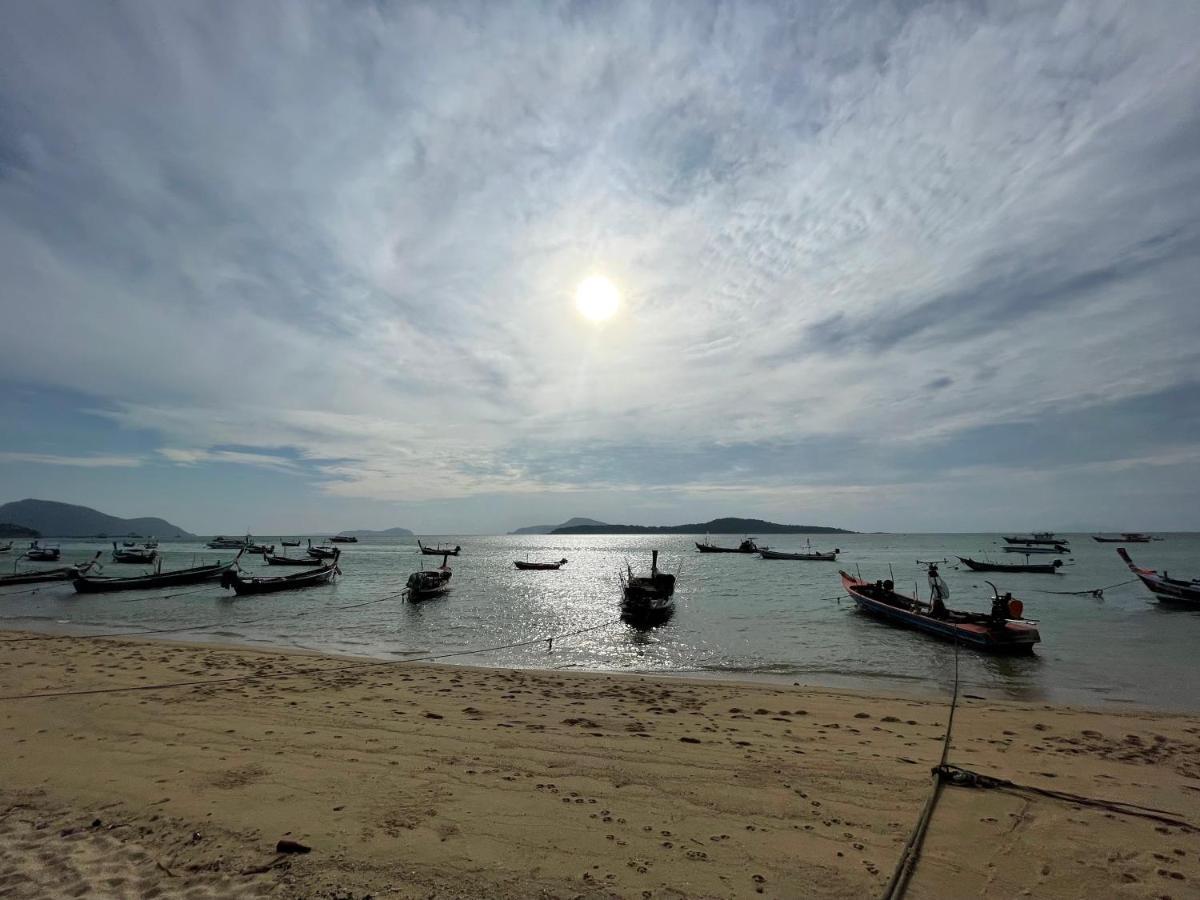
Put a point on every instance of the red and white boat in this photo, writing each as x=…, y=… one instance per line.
x=1162, y=586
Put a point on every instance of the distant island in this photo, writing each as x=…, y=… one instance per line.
x=550, y=529
x=387, y=532
x=716, y=526
x=55, y=519
x=8, y=530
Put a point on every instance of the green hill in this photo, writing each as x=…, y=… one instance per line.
x=55, y=519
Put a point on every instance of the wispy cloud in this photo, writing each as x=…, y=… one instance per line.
x=82, y=462
x=343, y=241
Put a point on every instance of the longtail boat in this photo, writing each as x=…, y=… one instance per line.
x=808, y=554
x=295, y=543
x=540, y=566
x=1051, y=551
x=1132, y=537
x=42, y=553
x=266, y=584
x=100, y=584
x=325, y=551
x=343, y=539
x=133, y=554
x=273, y=560
x=1000, y=632
x=1163, y=586
x=1032, y=568
x=647, y=600
x=428, y=583
x=439, y=550
x=48, y=574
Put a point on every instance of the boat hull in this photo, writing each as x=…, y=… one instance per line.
x=36, y=577
x=537, y=567
x=1031, y=568
x=1013, y=638
x=1164, y=588
x=99, y=585
x=810, y=557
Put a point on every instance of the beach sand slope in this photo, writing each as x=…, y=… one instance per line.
x=421, y=781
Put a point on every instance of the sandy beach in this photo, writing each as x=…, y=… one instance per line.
x=439, y=781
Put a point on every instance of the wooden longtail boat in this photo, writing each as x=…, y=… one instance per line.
x=1163, y=586
x=48, y=574
x=133, y=554
x=323, y=552
x=746, y=546
x=810, y=554
x=520, y=564
x=438, y=551
x=273, y=560
x=343, y=539
x=99, y=584
x=39, y=553
x=978, y=630
x=265, y=584
x=1132, y=537
x=295, y=543
x=428, y=583
x=1032, y=568
x=647, y=599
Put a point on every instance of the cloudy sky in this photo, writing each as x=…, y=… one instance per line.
x=888, y=266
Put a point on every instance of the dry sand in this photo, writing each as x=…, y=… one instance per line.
x=422, y=781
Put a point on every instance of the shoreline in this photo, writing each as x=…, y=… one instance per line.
x=418, y=780
x=866, y=684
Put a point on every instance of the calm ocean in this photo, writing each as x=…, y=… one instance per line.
x=738, y=616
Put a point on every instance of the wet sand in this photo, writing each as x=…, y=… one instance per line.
x=438, y=781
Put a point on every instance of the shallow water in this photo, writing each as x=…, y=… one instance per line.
x=738, y=616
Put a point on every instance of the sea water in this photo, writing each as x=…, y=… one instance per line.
x=738, y=616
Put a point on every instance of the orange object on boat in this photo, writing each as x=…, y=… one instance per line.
x=1015, y=609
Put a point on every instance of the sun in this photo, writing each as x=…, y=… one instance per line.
x=597, y=298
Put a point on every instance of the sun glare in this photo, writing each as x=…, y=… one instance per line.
x=597, y=298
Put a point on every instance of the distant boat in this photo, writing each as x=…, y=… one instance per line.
x=98, y=584
x=220, y=542
x=1131, y=537
x=344, y=539
x=151, y=544
x=1038, y=537
x=429, y=583
x=521, y=564
x=809, y=554
x=266, y=584
x=132, y=554
x=438, y=551
x=6, y=547
x=1057, y=549
x=746, y=546
x=1001, y=632
x=1032, y=568
x=42, y=553
x=295, y=543
x=647, y=600
x=325, y=551
x=1163, y=586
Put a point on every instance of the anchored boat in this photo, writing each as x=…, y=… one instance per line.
x=1163, y=586
x=647, y=600
x=539, y=566
x=1032, y=568
x=266, y=584
x=1003, y=631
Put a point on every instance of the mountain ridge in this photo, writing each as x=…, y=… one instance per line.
x=725, y=525
x=55, y=519
x=577, y=521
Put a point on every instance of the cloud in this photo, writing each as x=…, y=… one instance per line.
x=81, y=462
x=343, y=243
